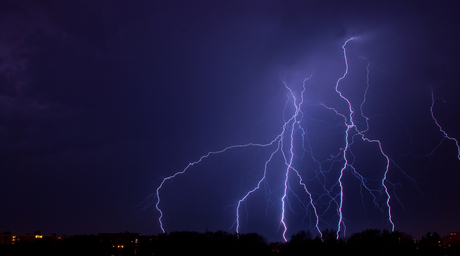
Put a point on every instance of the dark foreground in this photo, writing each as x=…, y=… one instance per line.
x=368, y=242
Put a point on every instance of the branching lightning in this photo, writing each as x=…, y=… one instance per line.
x=332, y=193
x=446, y=136
x=351, y=127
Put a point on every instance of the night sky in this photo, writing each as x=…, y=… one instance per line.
x=101, y=100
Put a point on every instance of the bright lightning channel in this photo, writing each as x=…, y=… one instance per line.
x=351, y=127
x=287, y=137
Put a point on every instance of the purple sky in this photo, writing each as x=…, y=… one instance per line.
x=100, y=101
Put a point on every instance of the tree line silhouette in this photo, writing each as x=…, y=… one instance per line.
x=368, y=242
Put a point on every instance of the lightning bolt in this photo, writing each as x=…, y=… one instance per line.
x=291, y=124
x=350, y=133
x=331, y=198
x=446, y=136
x=157, y=205
x=289, y=163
